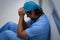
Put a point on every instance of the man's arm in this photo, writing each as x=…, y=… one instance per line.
x=21, y=32
x=25, y=25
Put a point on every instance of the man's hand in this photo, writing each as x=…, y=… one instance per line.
x=21, y=11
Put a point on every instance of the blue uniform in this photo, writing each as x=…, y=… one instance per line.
x=38, y=30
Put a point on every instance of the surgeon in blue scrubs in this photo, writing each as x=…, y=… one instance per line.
x=37, y=28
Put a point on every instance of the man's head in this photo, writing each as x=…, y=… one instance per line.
x=32, y=9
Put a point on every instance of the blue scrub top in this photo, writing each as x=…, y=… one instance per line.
x=39, y=30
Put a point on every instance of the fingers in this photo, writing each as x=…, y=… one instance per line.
x=21, y=11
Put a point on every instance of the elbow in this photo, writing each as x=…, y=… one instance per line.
x=19, y=35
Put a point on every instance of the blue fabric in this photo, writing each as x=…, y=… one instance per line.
x=39, y=30
x=30, y=5
x=9, y=26
x=8, y=32
x=8, y=35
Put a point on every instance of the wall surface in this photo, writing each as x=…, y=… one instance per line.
x=48, y=9
x=9, y=10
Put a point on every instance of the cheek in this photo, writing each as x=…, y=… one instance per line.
x=29, y=15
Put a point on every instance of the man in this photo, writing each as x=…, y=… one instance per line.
x=35, y=29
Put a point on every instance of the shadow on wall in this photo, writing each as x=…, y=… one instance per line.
x=56, y=19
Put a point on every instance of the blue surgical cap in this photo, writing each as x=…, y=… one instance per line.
x=30, y=5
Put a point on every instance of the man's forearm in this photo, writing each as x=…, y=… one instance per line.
x=21, y=30
x=20, y=26
x=22, y=23
x=25, y=25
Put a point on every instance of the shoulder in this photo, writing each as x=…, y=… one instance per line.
x=42, y=20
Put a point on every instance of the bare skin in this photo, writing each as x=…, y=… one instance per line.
x=21, y=31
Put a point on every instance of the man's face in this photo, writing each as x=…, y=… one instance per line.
x=31, y=15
